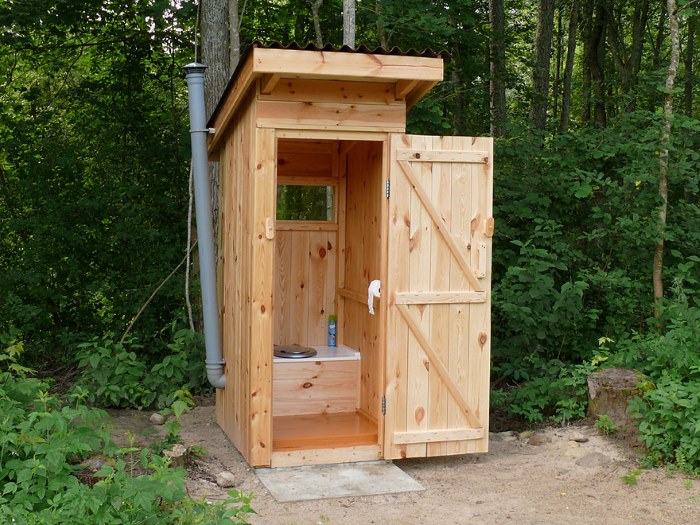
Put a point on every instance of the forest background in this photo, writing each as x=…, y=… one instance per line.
x=597, y=194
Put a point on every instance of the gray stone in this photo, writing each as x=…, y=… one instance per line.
x=539, y=439
x=225, y=480
x=594, y=459
x=157, y=419
x=524, y=436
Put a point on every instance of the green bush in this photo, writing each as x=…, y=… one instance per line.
x=117, y=374
x=41, y=440
x=556, y=390
x=668, y=408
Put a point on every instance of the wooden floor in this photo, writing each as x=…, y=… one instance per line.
x=309, y=431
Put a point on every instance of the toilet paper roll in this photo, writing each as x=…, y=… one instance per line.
x=372, y=292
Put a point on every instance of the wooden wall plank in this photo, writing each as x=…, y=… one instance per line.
x=318, y=310
x=283, y=288
x=232, y=405
x=299, y=284
x=303, y=90
x=315, y=387
x=322, y=115
x=262, y=282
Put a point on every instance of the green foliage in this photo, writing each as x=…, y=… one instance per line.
x=41, y=440
x=552, y=390
x=631, y=477
x=117, y=374
x=668, y=408
x=606, y=424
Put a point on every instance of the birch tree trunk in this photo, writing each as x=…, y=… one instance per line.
x=349, y=23
x=540, y=73
x=497, y=87
x=664, y=156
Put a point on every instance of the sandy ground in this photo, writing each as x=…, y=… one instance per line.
x=547, y=478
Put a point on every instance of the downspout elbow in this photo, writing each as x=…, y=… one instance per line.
x=216, y=373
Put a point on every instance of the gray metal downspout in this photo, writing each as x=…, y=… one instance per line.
x=205, y=235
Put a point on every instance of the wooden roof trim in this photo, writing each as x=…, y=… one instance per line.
x=415, y=76
x=346, y=66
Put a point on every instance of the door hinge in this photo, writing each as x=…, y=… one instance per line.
x=384, y=405
x=388, y=188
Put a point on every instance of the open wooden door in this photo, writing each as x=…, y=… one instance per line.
x=439, y=296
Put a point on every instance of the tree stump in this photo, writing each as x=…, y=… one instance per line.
x=178, y=454
x=609, y=392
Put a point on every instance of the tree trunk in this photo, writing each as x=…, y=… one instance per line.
x=234, y=32
x=660, y=34
x=664, y=156
x=556, y=89
x=588, y=47
x=349, y=23
x=216, y=56
x=689, y=80
x=540, y=73
x=628, y=62
x=315, y=7
x=569, y=69
x=381, y=31
x=598, y=65
x=497, y=86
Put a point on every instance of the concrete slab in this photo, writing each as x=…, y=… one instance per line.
x=336, y=481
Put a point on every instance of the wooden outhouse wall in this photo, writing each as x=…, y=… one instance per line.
x=246, y=256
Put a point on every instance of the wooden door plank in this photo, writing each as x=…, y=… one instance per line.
x=442, y=228
x=435, y=155
x=419, y=263
x=397, y=279
x=461, y=215
x=479, y=339
x=439, y=436
x=439, y=281
x=459, y=297
x=418, y=333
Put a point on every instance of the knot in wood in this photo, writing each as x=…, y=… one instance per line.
x=307, y=385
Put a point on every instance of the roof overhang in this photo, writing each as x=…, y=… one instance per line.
x=413, y=75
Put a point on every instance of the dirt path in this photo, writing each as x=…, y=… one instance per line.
x=558, y=481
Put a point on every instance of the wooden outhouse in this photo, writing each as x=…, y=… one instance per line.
x=321, y=193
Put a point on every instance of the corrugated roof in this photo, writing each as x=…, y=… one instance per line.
x=328, y=48
x=426, y=53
